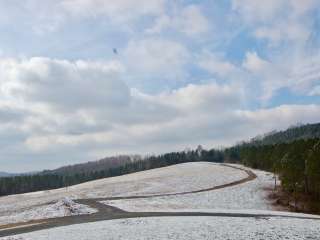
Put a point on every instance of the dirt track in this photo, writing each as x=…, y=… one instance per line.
x=106, y=212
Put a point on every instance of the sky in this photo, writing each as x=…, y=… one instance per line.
x=185, y=72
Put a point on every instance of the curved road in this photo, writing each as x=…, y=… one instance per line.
x=106, y=212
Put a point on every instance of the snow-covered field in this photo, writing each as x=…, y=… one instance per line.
x=177, y=178
x=219, y=228
x=245, y=198
x=172, y=179
x=64, y=207
x=249, y=195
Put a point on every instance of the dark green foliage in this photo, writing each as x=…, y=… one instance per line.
x=312, y=169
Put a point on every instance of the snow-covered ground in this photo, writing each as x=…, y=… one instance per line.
x=64, y=207
x=249, y=195
x=173, y=179
x=245, y=198
x=219, y=228
x=177, y=178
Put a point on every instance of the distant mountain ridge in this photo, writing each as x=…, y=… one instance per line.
x=307, y=131
x=82, y=168
x=93, y=166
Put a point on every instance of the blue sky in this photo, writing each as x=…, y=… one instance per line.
x=186, y=73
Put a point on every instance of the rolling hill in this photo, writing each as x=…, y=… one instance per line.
x=291, y=134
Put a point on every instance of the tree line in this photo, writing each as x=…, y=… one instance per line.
x=52, y=180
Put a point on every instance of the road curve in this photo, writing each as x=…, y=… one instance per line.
x=106, y=212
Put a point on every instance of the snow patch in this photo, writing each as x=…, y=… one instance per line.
x=62, y=208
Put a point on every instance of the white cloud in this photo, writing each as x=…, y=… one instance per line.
x=121, y=10
x=170, y=120
x=157, y=113
x=216, y=65
x=305, y=73
x=39, y=16
x=64, y=84
x=48, y=16
x=188, y=20
x=156, y=58
x=302, y=7
x=197, y=98
x=192, y=21
x=285, y=26
x=161, y=23
x=254, y=63
x=283, y=31
x=266, y=11
x=295, y=71
x=252, y=10
x=281, y=117
x=9, y=116
x=277, y=20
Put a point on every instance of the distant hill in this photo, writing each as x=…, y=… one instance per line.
x=308, y=131
x=93, y=166
x=5, y=174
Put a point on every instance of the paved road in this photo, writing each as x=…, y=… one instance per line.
x=106, y=212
